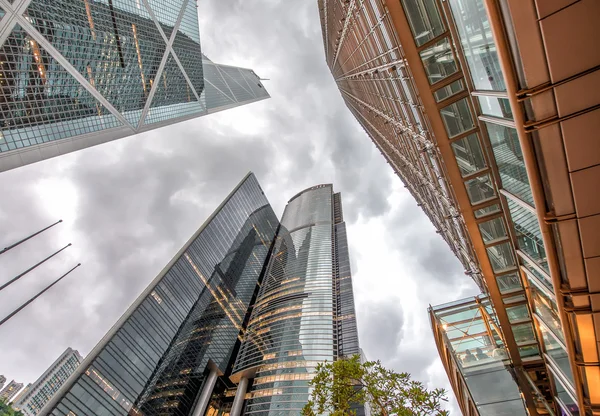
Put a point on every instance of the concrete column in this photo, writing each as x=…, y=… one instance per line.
x=238, y=401
x=207, y=390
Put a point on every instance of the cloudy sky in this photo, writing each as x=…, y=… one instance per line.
x=129, y=205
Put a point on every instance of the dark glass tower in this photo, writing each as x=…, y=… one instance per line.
x=155, y=360
x=247, y=301
x=74, y=74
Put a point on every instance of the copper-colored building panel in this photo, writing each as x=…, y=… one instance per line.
x=579, y=94
x=529, y=41
x=557, y=177
x=573, y=50
x=589, y=228
x=572, y=254
x=547, y=7
x=582, y=140
x=592, y=267
x=543, y=105
x=585, y=191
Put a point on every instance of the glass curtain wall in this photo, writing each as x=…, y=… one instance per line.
x=292, y=325
x=496, y=116
x=155, y=362
x=468, y=331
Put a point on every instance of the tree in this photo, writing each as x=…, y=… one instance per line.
x=339, y=385
x=6, y=410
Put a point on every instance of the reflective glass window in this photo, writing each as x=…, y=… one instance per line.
x=557, y=353
x=492, y=230
x=439, y=61
x=508, y=282
x=424, y=19
x=515, y=299
x=529, y=236
x=494, y=106
x=517, y=313
x=480, y=189
x=565, y=398
x=510, y=162
x=543, y=279
x=457, y=118
x=523, y=333
x=449, y=90
x=501, y=256
x=482, y=212
x=546, y=309
x=529, y=351
x=469, y=155
x=478, y=44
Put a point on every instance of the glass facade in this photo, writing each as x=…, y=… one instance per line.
x=155, y=360
x=304, y=312
x=370, y=68
x=467, y=331
x=500, y=138
x=101, y=70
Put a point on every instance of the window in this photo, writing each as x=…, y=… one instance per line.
x=424, y=19
x=529, y=236
x=480, y=189
x=523, y=333
x=547, y=311
x=478, y=44
x=509, y=158
x=449, y=90
x=517, y=313
x=469, y=155
x=457, y=118
x=483, y=212
x=501, y=256
x=557, y=353
x=494, y=106
x=492, y=230
x=438, y=61
x=529, y=351
x=508, y=282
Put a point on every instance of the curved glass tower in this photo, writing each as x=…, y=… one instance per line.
x=299, y=318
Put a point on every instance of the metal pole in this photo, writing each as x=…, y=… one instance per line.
x=31, y=268
x=25, y=239
x=37, y=296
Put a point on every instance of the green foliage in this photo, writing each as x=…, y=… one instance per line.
x=6, y=410
x=339, y=385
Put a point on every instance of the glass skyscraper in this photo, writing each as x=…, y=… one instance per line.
x=488, y=111
x=74, y=74
x=247, y=301
x=305, y=309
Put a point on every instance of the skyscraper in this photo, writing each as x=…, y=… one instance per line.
x=74, y=74
x=30, y=402
x=158, y=356
x=247, y=301
x=484, y=108
x=2, y=381
x=298, y=320
x=11, y=389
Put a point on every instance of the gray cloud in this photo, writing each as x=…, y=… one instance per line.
x=381, y=332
